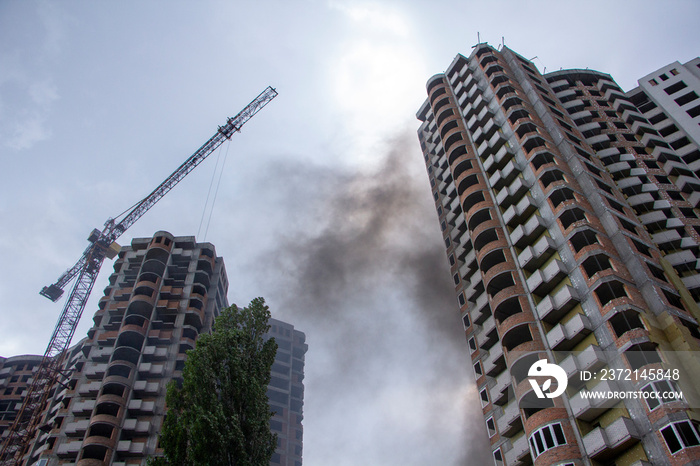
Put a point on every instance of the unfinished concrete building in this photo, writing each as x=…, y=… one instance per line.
x=165, y=291
x=562, y=217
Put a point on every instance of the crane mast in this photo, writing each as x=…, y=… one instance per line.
x=86, y=269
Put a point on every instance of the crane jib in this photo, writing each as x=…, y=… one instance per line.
x=113, y=231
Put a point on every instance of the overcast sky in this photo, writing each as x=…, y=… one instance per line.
x=324, y=207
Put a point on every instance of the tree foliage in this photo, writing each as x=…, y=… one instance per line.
x=221, y=415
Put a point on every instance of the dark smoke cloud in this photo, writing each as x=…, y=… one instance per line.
x=367, y=281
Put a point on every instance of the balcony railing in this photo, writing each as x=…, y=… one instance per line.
x=563, y=337
x=586, y=407
x=606, y=442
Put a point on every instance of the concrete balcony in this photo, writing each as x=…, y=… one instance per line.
x=651, y=139
x=649, y=187
x=452, y=216
x=629, y=182
x=495, y=362
x=463, y=237
x=641, y=127
x=582, y=114
x=498, y=160
x=602, y=443
x=518, y=212
x=662, y=204
x=560, y=83
x=69, y=449
x=488, y=326
x=143, y=386
x=505, y=175
x=454, y=206
x=609, y=152
x=652, y=217
x=77, y=428
x=451, y=194
x=153, y=353
x=694, y=199
x=139, y=427
x=462, y=98
x=533, y=257
x=83, y=407
x=480, y=311
x=667, y=236
x=588, y=408
x=442, y=186
x=692, y=281
x=565, y=93
x=478, y=135
x=483, y=112
x=489, y=127
x=590, y=359
x=149, y=369
x=599, y=139
x=529, y=231
x=681, y=257
x=641, y=200
x=496, y=141
x=672, y=223
x=467, y=270
x=101, y=354
x=520, y=450
x=512, y=193
x=456, y=233
x=563, y=337
x=688, y=183
x=96, y=371
x=472, y=292
x=478, y=102
x=472, y=119
x=573, y=104
x=674, y=168
x=542, y=281
x=622, y=167
x=593, y=125
x=510, y=422
x=627, y=112
x=89, y=388
x=694, y=166
x=146, y=407
x=128, y=448
x=554, y=307
x=500, y=389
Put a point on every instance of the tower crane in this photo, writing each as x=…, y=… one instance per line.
x=102, y=245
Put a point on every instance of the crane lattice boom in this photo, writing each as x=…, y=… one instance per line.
x=87, y=269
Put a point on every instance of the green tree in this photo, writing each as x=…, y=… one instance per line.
x=221, y=415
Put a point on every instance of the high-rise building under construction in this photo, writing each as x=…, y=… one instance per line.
x=164, y=291
x=570, y=227
x=109, y=406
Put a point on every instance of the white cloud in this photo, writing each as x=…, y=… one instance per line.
x=27, y=90
x=42, y=93
x=374, y=16
x=376, y=76
x=54, y=22
x=27, y=124
x=28, y=131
